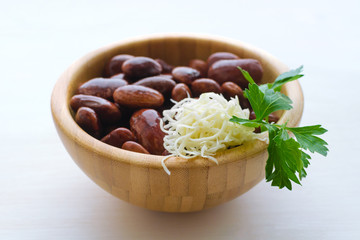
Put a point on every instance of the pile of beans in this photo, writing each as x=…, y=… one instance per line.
x=123, y=108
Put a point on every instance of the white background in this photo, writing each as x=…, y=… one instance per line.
x=44, y=195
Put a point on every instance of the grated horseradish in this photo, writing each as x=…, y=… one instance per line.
x=201, y=127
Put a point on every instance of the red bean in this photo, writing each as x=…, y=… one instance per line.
x=185, y=74
x=227, y=71
x=271, y=119
x=134, y=147
x=166, y=68
x=180, y=91
x=114, y=65
x=118, y=136
x=141, y=67
x=203, y=85
x=145, y=124
x=162, y=84
x=165, y=153
x=220, y=56
x=199, y=65
x=230, y=90
x=88, y=121
x=136, y=96
x=119, y=75
x=106, y=110
x=101, y=87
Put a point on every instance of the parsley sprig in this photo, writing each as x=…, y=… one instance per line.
x=287, y=157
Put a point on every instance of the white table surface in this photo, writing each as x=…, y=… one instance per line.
x=44, y=195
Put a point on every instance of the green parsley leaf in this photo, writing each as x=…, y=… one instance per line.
x=305, y=159
x=279, y=81
x=274, y=101
x=307, y=139
x=286, y=77
x=264, y=101
x=286, y=155
x=247, y=75
x=245, y=122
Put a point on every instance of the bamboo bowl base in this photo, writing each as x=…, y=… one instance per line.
x=139, y=179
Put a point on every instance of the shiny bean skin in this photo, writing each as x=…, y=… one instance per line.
x=106, y=110
x=166, y=75
x=166, y=68
x=145, y=124
x=162, y=84
x=180, y=91
x=272, y=117
x=118, y=136
x=134, y=147
x=136, y=96
x=119, y=76
x=203, y=85
x=101, y=87
x=141, y=67
x=199, y=65
x=114, y=65
x=165, y=153
x=185, y=74
x=252, y=115
x=220, y=56
x=227, y=71
x=230, y=90
x=88, y=120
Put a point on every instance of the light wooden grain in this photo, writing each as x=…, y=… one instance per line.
x=137, y=178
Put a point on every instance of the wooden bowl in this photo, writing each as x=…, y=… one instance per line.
x=139, y=179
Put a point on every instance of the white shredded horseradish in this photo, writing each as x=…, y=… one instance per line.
x=201, y=127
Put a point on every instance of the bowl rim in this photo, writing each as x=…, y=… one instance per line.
x=65, y=123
